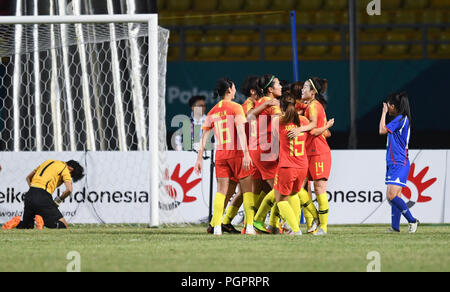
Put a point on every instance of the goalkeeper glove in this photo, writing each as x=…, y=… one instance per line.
x=58, y=201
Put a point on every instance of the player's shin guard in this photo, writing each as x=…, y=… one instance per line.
x=231, y=213
x=249, y=207
x=265, y=206
x=219, y=201
x=323, y=210
x=289, y=215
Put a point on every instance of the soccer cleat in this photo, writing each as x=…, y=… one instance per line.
x=314, y=225
x=210, y=229
x=259, y=226
x=250, y=230
x=413, y=226
x=273, y=230
x=11, y=223
x=286, y=228
x=218, y=230
x=392, y=230
x=39, y=222
x=229, y=228
x=243, y=230
x=294, y=233
x=319, y=232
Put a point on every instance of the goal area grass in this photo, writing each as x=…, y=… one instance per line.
x=129, y=248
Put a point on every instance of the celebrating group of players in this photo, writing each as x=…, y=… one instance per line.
x=272, y=146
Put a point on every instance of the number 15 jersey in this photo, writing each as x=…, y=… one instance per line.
x=292, y=151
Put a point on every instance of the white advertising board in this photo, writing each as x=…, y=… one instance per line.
x=116, y=187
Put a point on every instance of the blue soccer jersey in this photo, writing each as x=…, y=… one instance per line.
x=397, y=142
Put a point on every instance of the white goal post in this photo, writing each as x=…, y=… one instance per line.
x=152, y=141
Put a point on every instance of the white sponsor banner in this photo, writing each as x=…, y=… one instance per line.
x=116, y=187
x=447, y=190
x=357, y=190
x=191, y=192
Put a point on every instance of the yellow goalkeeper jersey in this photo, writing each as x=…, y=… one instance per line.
x=50, y=175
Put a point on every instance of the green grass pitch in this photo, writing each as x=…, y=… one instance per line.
x=190, y=249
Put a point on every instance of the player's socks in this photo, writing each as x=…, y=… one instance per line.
x=289, y=215
x=249, y=207
x=308, y=218
x=309, y=210
x=218, y=209
x=294, y=201
x=265, y=206
x=395, y=219
x=231, y=213
x=323, y=210
x=258, y=199
x=274, y=217
x=401, y=205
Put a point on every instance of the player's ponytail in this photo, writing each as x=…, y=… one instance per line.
x=401, y=103
x=222, y=86
x=287, y=103
x=320, y=86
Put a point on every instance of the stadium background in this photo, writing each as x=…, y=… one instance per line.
x=406, y=48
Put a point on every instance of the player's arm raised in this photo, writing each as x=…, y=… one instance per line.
x=382, y=129
x=253, y=113
x=297, y=131
x=324, y=130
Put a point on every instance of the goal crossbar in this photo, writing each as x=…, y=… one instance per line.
x=67, y=19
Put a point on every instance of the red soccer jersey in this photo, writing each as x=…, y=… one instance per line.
x=223, y=118
x=293, y=151
x=248, y=105
x=264, y=125
x=316, y=145
x=300, y=106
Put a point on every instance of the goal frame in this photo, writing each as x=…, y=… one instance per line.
x=152, y=21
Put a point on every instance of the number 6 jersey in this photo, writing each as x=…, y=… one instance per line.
x=223, y=118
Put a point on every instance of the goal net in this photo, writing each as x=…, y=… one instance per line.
x=92, y=89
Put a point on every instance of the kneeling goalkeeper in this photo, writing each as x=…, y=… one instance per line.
x=39, y=205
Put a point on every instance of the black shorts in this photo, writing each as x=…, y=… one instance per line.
x=39, y=202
